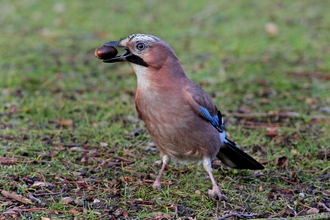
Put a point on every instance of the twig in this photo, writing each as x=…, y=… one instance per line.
x=306, y=206
x=10, y=161
x=175, y=212
x=321, y=171
x=119, y=163
x=30, y=195
x=98, y=181
x=292, y=209
x=324, y=206
x=237, y=215
x=122, y=159
x=288, y=181
x=317, y=75
x=46, y=194
x=275, y=114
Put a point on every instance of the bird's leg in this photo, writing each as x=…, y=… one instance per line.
x=215, y=191
x=156, y=184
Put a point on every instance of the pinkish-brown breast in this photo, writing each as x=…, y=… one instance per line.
x=173, y=125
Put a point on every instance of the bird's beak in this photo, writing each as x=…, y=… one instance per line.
x=126, y=56
x=119, y=58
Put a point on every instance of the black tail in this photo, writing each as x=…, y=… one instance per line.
x=231, y=156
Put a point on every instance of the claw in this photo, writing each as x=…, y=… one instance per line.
x=215, y=193
x=156, y=185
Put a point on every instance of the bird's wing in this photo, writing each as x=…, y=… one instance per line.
x=203, y=105
x=229, y=153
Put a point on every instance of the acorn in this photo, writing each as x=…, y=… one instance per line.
x=105, y=52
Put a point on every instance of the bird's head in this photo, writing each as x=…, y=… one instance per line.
x=141, y=49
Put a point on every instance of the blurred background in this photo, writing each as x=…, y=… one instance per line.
x=40, y=39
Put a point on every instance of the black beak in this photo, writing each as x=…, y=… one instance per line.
x=120, y=58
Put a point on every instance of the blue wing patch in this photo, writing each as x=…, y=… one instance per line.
x=216, y=120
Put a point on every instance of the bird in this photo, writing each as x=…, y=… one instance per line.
x=181, y=118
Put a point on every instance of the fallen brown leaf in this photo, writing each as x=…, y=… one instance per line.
x=125, y=214
x=294, y=178
x=275, y=113
x=73, y=211
x=324, y=154
x=317, y=75
x=160, y=215
x=271, y=29
x=66, y=200
x=282, y=191
x=38, y=184
x=271, y=131
x=311, y=101
x=15, y=196
x=281, y=161
x=65, y=122
x=7, y=161
x=104, y=144
x=312, y=211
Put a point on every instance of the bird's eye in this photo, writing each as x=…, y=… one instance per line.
x=141, y=46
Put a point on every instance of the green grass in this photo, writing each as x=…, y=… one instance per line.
x=49, y=76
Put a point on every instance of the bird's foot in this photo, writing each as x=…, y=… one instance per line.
x=156, y=185
x=215, y=193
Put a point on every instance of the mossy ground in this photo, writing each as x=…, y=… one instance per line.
x=67, y=120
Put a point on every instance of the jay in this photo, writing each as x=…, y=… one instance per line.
x=181, y=118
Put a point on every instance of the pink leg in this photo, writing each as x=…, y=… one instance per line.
x=215, y=192
x=156, y=184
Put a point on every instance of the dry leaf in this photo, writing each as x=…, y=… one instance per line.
x=324, y=154
x=271, y=131
x=295, y=136
x=311, y=101
x=7, y=161
x=66, y=200
x=76, y=149
x=45, y=218
x=281, y=161
x=66, y=122
x=96, y=201
x=271, y=29
x=104, y=144
x=13, y=211
x=15, y=196
x=38, y=184
x=160, y=215
x=294, y=151
x=73, y=211
x=326, y=192
x=125, y=214
x=294, y=177
x=13, y=109
x=264, y=101
x=325, y=110
x=312, y=211
x=78, y=202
